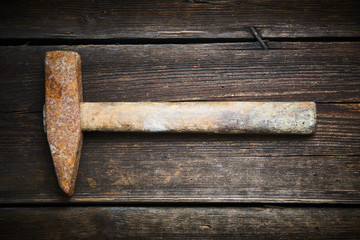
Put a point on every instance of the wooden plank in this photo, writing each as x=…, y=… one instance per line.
x=322, y=72
x=178, y=19
x=125, y=167
x=267, y=222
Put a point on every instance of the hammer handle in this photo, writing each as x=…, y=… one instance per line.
x=206, y=117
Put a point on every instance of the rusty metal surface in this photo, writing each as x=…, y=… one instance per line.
x=208, y=117
x=63, y=94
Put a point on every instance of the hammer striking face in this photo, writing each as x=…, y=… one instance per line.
x=65, y=116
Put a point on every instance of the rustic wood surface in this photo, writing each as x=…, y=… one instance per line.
x=168, y=19
x=265, y=222
x=133, y=185
x=321, y=72
x=190, y=167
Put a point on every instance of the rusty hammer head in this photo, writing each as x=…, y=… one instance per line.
x=63, y=94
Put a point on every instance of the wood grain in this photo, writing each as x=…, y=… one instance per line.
x=200, y=117
x=130, y=185
x=114, y=167
x=268, y=222
x=121, y=20
x=321, y=72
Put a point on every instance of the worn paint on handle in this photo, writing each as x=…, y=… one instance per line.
x=208, y=117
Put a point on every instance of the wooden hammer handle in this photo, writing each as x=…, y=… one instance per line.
x=207, y=117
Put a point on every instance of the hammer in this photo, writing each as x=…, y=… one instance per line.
x=66, y=116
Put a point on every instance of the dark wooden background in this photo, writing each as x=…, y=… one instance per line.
x=183, y=186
